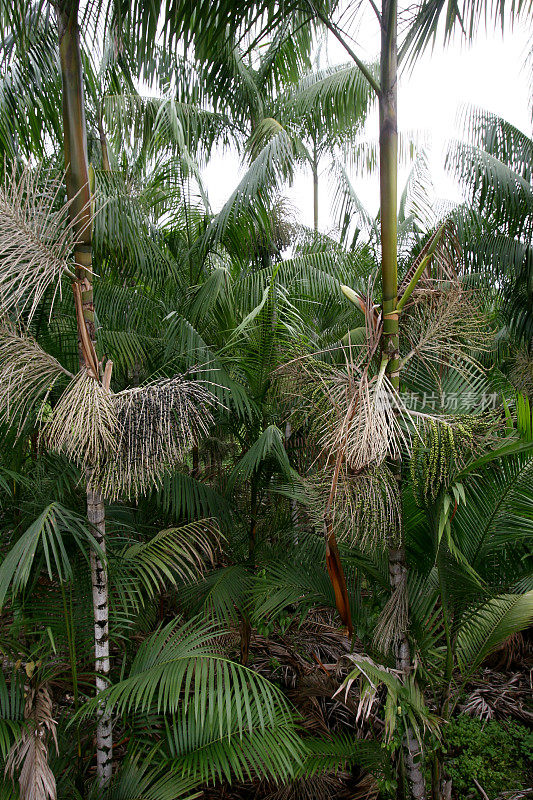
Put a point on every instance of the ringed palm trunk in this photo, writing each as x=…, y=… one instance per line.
x=79, y=193
x=388, y=148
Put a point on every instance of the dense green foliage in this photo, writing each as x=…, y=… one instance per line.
x=498, y=755
x=248, y=415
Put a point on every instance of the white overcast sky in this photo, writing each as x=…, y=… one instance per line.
x=492, y=72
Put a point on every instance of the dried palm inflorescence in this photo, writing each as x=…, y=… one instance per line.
x=352, y=412
x=442, y=326
x=29, y=754
x=365, y=503
x=84, y=423
x=35, y=240
x=131, y=439
x=364, y=420
x=27, y=375
x=156, y=424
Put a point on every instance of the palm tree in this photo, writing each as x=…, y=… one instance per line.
x=494, y=169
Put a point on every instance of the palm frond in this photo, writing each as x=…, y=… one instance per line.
x=268, y=445
x=334, y=100
x=141, y=777
x=11, y=710
x=502, y=194
x=198, y=748
x=484, y=628
x=222, y=595
x=44, y=542
x=173, y=670
x=174, y=555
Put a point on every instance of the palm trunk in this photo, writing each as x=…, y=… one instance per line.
x=315, y=187
x=293, y=504
x=388, y=148
x=79, y=193
x=103, y=143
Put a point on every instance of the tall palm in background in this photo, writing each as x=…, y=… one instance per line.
x=494, y=170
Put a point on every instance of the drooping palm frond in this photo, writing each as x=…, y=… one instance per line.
x=416, y=200
x=44, y=543
x=35, y=240
x=142, y=777
x=334, y=101
x=350, y=215
x=156, y=425
x=30, y=88
x=423, y=22
x=173, y=670
x=197, y=747
x=29, y=754
x=27, y=376
x=502, y=194
x=485, y=627
x=273, y=165
x=500, y=138
x=174, y=555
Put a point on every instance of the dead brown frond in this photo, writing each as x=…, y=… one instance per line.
x=29, y=754
x=317, y=787
x=27, y=375
x=84, y=423
x=501, y=695
x=36, y=239
x=155, y=426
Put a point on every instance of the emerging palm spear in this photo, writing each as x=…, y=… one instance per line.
x=125, y=441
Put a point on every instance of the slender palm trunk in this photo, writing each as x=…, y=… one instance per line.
x=315, y=187
x=106, y=166
x=78, y=191
x=388, y=148
x=293, y=504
